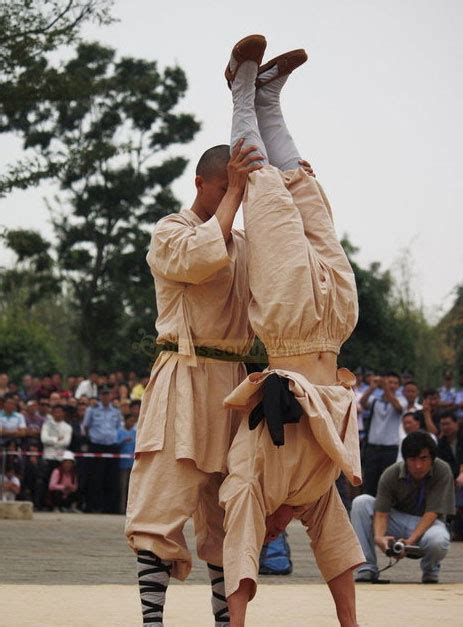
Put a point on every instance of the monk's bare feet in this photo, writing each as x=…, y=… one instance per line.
x=278, y=521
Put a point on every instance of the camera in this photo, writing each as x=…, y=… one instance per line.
x=396, y=548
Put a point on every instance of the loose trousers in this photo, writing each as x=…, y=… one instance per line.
x=164, y=492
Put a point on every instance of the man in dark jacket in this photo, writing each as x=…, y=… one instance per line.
x=450, y=449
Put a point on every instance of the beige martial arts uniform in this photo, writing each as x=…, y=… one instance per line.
x=304, y=300
x=184, y=432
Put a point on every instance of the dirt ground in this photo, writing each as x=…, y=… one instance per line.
x=71, y=570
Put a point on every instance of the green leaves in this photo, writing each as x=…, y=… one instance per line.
x=98, y=125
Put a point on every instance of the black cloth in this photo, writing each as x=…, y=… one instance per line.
x=278, y=407
x=35, y=482
x=445, y=452
x=419, y=415
x=103, y=489
x=375, y=461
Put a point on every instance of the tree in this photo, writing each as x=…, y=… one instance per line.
x=392, y=332
x=32, y=277
x=450, y=330
x=29, y=31
x=25, y=346
x=107, y=120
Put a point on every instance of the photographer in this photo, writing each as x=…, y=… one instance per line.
x=414, y=498
x=381, y=428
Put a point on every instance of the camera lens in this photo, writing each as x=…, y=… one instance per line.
x=398, y=547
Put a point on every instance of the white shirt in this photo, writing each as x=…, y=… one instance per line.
x=56, y=437
x=87, y=388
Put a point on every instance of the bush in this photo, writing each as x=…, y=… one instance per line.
x=25, y=347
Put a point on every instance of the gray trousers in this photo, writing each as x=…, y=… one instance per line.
x=435, y=541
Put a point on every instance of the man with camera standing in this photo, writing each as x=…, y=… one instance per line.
x=414, y=497
x=381, y=428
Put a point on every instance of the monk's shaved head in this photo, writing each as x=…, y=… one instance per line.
x=213, y=162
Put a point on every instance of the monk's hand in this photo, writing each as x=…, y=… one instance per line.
x=277, y=522
x=307, y=167
x=243, y=161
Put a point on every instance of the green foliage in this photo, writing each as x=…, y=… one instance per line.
x=25, y=346
x=392, y=332
x=107, y=120
x=450, y=330
x=29, y=31
x=33, y=273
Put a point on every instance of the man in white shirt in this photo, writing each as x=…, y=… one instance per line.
x=56, y=437
x=88, y=387
x=382, y=437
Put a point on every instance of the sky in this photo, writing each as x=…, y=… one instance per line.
x=376, y=110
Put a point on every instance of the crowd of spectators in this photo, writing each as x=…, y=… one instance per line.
x=392, y=406
x=54, y=422
x=48, y=428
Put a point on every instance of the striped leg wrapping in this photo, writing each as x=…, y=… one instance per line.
x=219, y=601
x=153, y=579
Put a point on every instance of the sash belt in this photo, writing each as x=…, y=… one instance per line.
x=206, y=351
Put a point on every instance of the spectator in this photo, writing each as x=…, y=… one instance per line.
x=430, y=414
x=126, y=439
x=411, y=392
x=88, y=387
x=382, y=428
x=406, y=377
x=102, y=423
x=123, y=392
x=71, y=385
x=12, y=423
x=34, y=423
x=63, y=484
x=27, y=391
x=80, y=444
x=55, y=399
x=124, y=407
x=410, y=423
x=15, y=458
x=135, y=408
x=459, y=400
x=56, y=437
x=138, y=389
x=447, y=392
x=414, y=498
x=450, y=449
x=10, y=485
x=4, y=381
x=57, y=382
x=46, y=387
x=44, y=409
x=35, y=478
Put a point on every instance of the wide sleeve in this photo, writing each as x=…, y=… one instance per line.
x=188, y=254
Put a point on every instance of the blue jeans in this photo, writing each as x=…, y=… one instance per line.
x=435, y=541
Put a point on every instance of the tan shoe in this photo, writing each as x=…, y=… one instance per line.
x=250, y=48
x=286, y=63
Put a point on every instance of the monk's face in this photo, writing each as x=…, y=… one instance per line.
x=211, y=191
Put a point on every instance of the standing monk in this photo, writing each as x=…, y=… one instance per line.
x=302, y=410
x=184, y=433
